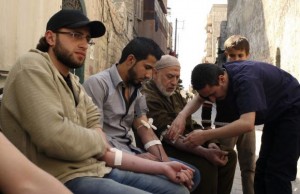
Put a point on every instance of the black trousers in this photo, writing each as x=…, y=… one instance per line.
x=276, y=166
x=214, y=179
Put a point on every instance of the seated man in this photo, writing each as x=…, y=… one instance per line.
x=116, y=92
x=47, y=115
x=217, y=167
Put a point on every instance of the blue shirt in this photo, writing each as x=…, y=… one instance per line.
x=105, y=88
x=262, y=88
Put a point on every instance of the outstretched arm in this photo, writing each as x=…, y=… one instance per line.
x=175, y=171
x=178, y=125
x=244, y=124
x=215, y=156
x=147, y=135
x=22, y=176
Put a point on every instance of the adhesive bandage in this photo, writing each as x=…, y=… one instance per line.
x=151, y=143
x=148, y=124
x=118, y=156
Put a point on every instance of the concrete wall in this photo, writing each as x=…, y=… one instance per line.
x=22, y=25
x=24, y=22
x=215, y=18
x=273, y=30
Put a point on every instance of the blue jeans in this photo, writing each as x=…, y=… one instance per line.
x=119, y=181
x=97, y=185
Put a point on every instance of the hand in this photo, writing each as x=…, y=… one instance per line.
x=148, y=156
x=186, y=178
x=179, y=173
x=177, y=127
x=195, y=138
x=213, y=146
x=217, y=156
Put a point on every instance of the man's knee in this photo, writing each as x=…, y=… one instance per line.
x=181, y=190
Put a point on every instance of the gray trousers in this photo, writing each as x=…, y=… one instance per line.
x=245, y=145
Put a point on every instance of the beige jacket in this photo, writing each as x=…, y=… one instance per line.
x=39, y=116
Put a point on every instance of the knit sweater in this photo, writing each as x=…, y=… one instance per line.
x=39, y=116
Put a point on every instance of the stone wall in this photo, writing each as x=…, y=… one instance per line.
x=273, y=30
x=118, y=19
x=214, y=27
x=24, y=22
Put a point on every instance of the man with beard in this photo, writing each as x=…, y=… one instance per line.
x=48, y=116
x=164, y=101
x=116, y=92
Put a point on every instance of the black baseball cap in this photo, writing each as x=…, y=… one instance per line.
x=67, y=18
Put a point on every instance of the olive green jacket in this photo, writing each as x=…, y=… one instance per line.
x=39, y=116
x=164, y=109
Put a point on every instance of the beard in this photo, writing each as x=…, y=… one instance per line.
x=132, y=77
x=162, y=89
x=65, y=57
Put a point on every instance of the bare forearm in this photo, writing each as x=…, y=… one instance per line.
x=133, y=163
x=244, y=124
x=147, y=135
x=157, y=149
x=199, y=150
x=238, y=127
x=174, y=171
x=22, y=176
x=159, y=152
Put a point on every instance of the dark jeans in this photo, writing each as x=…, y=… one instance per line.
x=276, y=166
x=214, y=179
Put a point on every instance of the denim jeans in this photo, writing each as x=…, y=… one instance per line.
x=97, y=185
x=119, y=181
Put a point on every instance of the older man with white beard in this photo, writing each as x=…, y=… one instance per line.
x=164, y=101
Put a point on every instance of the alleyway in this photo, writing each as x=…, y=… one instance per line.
x=237, y=186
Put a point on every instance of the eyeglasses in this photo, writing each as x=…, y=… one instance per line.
x=78, y=36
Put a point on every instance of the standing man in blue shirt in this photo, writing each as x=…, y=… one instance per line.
x=261, y=94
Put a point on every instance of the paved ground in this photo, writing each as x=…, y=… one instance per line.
x=237, y=186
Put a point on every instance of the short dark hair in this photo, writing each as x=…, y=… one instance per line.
x=141, y=48
x=206, y=74
x=43, y=45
